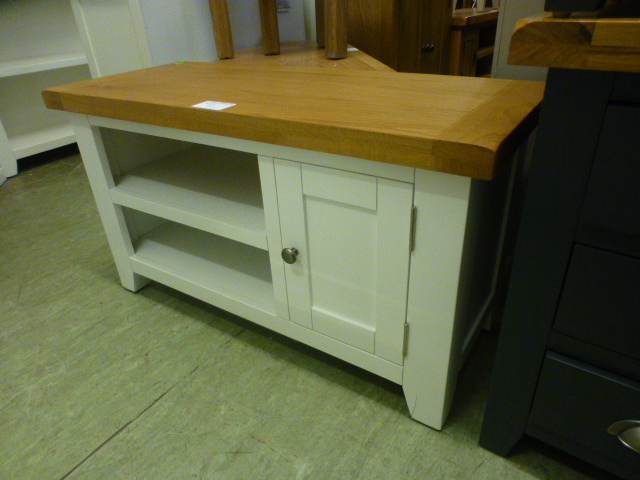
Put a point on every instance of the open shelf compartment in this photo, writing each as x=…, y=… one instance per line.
x=208, y=188
x=42, y=63
x=206, y=266
x=41, y=140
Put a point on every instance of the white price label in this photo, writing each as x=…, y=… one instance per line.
x=211, y=105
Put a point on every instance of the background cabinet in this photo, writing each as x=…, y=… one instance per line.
x=424, y=36
x=473, y=37
x=39, y=47
x=399, y=33
x=567, y=367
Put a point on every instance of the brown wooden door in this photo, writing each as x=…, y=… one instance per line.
x=373, y=27
x=399, y=33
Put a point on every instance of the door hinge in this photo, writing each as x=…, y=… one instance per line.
x=412, y=232
x=405, y=342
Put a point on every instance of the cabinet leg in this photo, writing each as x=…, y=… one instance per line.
x=500, y=441
x=434, y=342
x=101, y=180
x=133, y=281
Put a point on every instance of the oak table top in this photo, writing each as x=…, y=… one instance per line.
x=590, y=43
x=305, y=54
x=459, y=125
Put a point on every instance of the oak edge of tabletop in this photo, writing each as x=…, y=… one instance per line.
x=457, y=151
x=464, y=17
x=586, y=43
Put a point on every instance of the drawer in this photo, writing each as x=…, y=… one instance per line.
x=574, y=406
x=600, y=301
x=610, y=216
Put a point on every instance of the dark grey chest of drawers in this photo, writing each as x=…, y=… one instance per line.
x=568, y=361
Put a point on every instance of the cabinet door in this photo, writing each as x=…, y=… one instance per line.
x=351, y=231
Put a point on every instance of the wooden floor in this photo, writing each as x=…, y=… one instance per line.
x=100, y=383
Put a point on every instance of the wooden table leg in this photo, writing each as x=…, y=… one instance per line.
x=221, y=28
x=335, y=16
x=270, y=33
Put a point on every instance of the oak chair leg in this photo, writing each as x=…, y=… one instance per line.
x=335, y=35
x=222, y=28
x=270, y=33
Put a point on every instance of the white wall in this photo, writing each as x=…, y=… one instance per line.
x=245, y=23
x=191, y=20
x=510, y=12
x=178, y=30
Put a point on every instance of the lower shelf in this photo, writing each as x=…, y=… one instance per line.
x=236, y=278
x=41, y=140
x=212, y=268
x=42, y=63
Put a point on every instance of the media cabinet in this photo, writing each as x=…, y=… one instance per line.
x=358, y=212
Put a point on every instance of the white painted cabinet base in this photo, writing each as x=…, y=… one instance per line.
x=209, y=216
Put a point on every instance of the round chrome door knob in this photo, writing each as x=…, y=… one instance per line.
x=290, y=255
x=628, y=432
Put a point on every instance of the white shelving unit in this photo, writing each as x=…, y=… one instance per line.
x=194, y=217
x=123, y=35
x=41, y=63
x=39, y=47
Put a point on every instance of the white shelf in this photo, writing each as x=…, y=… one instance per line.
x=21, y=66
x=206, y=266
x=40, y=47
x=207, y=188
x=41, y=140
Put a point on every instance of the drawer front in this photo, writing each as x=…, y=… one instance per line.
x=600, y=302
x=575, y=405
x=612, y=201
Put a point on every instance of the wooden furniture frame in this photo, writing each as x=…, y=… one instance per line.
x=395, y=226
